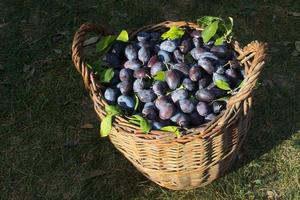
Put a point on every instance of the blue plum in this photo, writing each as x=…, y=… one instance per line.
x=168, y=45
x=111, y=95
x=126, y=102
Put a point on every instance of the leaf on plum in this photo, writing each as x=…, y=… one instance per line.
x=222, y=85
x=210, y=31
x=159, y=76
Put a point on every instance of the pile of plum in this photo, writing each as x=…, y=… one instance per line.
x=174, y=82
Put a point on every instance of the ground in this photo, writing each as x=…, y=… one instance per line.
x=47, y=154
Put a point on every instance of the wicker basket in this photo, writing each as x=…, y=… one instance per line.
x=195, y=159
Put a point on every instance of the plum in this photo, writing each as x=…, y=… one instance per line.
x=164, y=56
x=185, y=46
x=178, y=56
x=205, y=95
x=132, y=64
x=186, y=105
x=126, y=74
x=141, y=73
x=206, y=65
x=168, y=45
x=203, y=82
x=125, y=87
x=152, y=61
x=220, y=50
x=144, y=55
x=179, y=94
x=143, y=36
x=111, y=95
x=160, y=88
x=112, y=59
x=157, y=67
x=172, y=78
x=188, y=84
x=203, y=109
x=139, y=84
x=126, y=102
x=195, y=73
x=166, y=112
x=131, y=52
x=182, y=67
x=146, y=95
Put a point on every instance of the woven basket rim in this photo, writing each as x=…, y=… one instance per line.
x=201, y=131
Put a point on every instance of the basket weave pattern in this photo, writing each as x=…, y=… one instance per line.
x=195, y=159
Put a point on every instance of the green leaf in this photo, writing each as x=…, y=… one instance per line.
x=209, y=31
x=189, y=58
x=96, y=66
x=142, y=122
x=173, y=33
x=206, y=20
x=222, y=84
x=137, y=101
x=172, y=129
x=134, y=122
x=241, y=84
x=145, y=126
x=159, y=76
x=89, y=66
x=123, y=36
x=106, y=125
x=105, y=43
x=112, y=110
x=222, y=99
x=106, y=75
x=229, y=26
x=219, y=41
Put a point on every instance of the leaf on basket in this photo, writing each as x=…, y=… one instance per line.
x=106, y=125
x=123, y=36
x=217, y=28
x=241, y=84
x=229, y=26
x=221, y=99
x=145, y=126
x=96, y=66
x=172, y=129
x=210, y=31
x=104, y=44
x=222, y=84
x=206, y=20
x=159, y=76
x=219, y=41
x=112, y=110
x=173, y=33
x=142, y=122
x=106, y=75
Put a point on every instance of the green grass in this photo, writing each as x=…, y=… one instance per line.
x=40, y=113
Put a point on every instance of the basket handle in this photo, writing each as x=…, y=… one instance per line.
x=77, y=48
x=252, y=56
